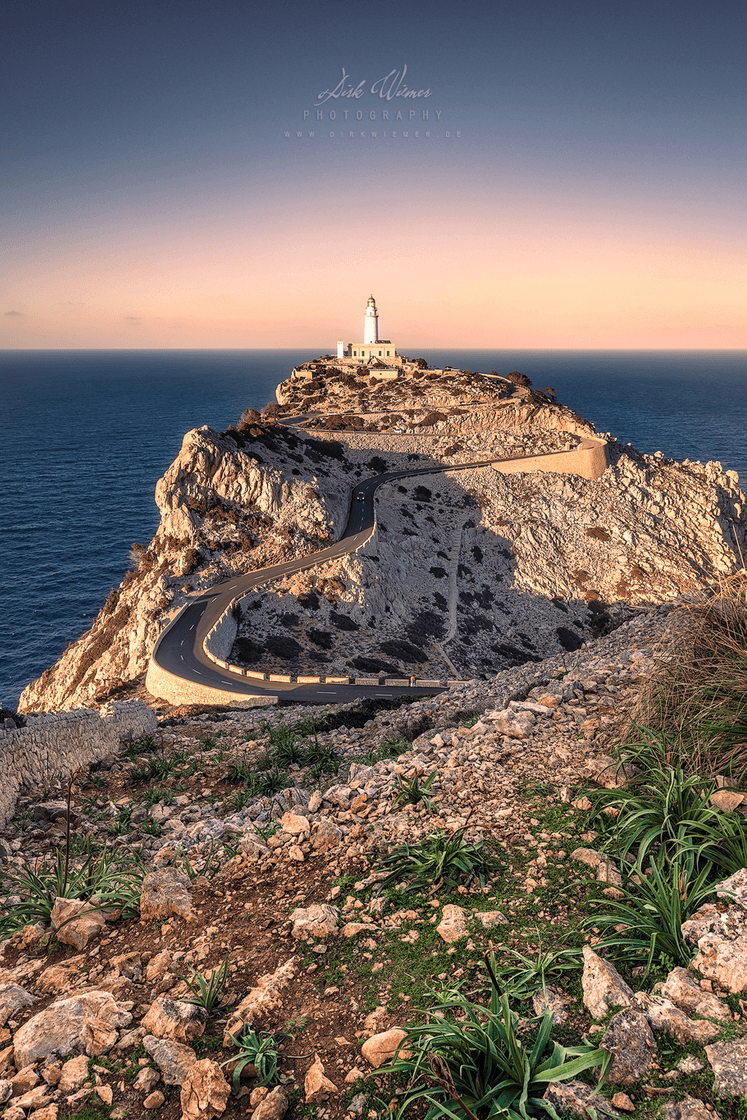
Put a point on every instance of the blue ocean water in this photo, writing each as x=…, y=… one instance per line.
x=86, y=435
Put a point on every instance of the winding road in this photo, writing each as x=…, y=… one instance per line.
x=180, y=649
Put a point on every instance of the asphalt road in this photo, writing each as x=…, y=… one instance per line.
x=179, y=650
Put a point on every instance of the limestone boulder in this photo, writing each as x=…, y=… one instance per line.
x=13, y=998
x=205, y=1091
x=295, y=824
x=577, y=1099
x=453, y=924
x=317, y=1087
x=273, y=1106
x=723, y=960
x=630, y=1041
x=76, y=922
x=603, y=986
x=685, y=992
x=166, y=893
x=180, y=1021
x=734, y=888
x=74, y=1073
x=90, y=1020
x=174, y=1059
x=728, y=1060
x=689, y=1108
x=664, y=1016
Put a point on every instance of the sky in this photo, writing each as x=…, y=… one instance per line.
x=548, y=175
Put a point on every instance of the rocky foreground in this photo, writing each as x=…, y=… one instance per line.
x=279, y=884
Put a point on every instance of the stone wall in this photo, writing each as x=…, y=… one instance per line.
x=55, y=744
x=589, y=460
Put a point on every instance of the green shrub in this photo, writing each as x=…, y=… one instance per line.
x=446, y=858
x=468, y=1062
x=644, y=926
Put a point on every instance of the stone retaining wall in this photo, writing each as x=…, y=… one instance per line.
x=54, y=744
x=590, y=460
x=176, y=690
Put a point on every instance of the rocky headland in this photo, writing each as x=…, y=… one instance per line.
x=466, y=573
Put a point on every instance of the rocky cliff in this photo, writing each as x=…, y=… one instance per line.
x=466, y=573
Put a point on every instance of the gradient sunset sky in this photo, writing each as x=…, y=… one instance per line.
x=579, y=181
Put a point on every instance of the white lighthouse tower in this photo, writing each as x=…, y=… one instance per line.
x=371, y=322
x=373, y=349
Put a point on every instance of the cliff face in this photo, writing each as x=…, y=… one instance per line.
x=466, y=573
x=228, y=504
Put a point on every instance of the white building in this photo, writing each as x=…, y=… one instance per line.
x=372, y=346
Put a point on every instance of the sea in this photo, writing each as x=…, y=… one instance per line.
x=85, y=435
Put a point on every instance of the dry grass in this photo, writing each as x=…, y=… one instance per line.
x=696, y=705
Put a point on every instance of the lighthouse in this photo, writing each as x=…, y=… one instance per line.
x=371, y=322
x=372, y=348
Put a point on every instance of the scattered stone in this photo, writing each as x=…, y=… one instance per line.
x=631, y=1043
x=728, y=1061
x=295, y=824
x=259, y=1001
x=105, y=1093
x=317, y=1087
x=689, y=1064
x=603, y=986
x=25, y=1079
x=588, y=857
x=319, y=920
x=155, y=1100
x=453, y=925
x=382, y=1048
x=357, y=1104
x=490, y=918
x=727, y=800
x=164, y=893
x=350, y=929
x=205, y=1091
x=623, y=1101
x=146, y=1080
x=326, y=835
x=353, y=1076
